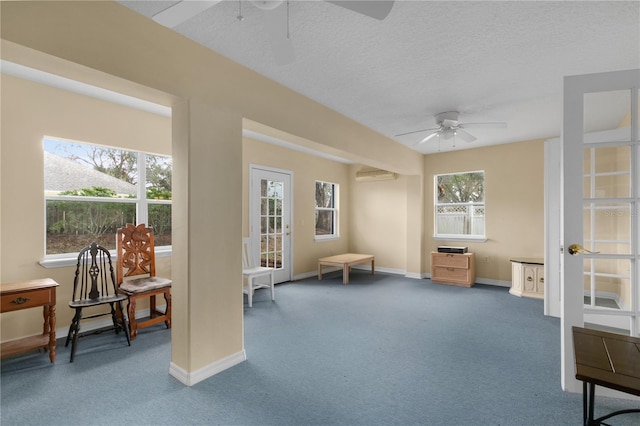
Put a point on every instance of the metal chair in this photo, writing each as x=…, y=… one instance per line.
x=136, y=275
x=251, y=270
x=94, y=285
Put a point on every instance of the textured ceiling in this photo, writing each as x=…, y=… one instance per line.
x=491, y=61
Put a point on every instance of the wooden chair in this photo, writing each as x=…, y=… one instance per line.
x=95, y=285
x=251, y=269
x=136, y=275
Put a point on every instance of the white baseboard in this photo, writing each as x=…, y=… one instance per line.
x=413, y=275
x=191, y=378
x=489, y=281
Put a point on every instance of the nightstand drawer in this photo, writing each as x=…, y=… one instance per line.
x=450, y=261
x=452, y=274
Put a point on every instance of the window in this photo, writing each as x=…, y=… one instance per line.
x=459, y=205
x=326, y=210
x=92, y=190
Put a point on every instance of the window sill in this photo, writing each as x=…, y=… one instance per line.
x=470, y=238
x=323, y=238
x=70, y=259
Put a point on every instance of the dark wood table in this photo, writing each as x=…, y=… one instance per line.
x=605, y=359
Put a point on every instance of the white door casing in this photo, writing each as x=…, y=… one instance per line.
x=271, y=219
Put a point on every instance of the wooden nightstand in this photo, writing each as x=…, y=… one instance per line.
x=455, y=269
x=31, y=294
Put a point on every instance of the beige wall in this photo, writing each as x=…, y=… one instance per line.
x=306, y=170
x=29, y=112
x=514, y=200
x=379, y=221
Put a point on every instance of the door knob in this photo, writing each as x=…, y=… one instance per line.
x=577, y=249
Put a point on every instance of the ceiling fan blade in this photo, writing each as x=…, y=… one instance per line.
x=418, y=131
x=428, y=138
x=374, y=9
x=275, y=24
x=465, y=136
x=176, y=14
x=495, y=125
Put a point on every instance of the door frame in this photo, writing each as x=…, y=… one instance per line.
x=253, y=226
x=572, y=305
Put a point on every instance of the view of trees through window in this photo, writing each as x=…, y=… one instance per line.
x=460, y=204
x=92, y=190
x=326, y=209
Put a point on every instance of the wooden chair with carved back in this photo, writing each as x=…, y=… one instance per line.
x=94, y=287
x=136, y=275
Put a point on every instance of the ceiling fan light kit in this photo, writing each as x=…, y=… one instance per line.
x=449, y=127
x=266, y=4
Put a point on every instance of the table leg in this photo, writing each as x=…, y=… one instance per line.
x=345, y=273
x=584, y=403
x=52, y=333
x=373, y=267
x=592, y=395
x=319, y=271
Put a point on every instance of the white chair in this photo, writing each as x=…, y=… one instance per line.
x=251, y=270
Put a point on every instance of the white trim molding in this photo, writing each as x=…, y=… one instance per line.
x=191, y=378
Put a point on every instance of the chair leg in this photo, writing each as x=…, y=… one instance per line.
x=167, y=312
x=71, y=328
x=131, y=311
x=76, y=330
x=124, y=323
x=114, y=318
x=152, y=306
x=250, y=291
x=72, y=336
x=273, y=289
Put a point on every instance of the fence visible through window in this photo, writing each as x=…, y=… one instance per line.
x=460, y=219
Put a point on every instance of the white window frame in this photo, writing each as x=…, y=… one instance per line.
x=334, y=210
x=469, y=205
x=141, y=201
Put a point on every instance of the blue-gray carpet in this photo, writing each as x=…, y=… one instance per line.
x=383, y=350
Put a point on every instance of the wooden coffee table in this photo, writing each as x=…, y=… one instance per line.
x=345, y=261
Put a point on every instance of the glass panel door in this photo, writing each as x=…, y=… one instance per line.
x=600, y=201
x=609, y=202
x=270, y=219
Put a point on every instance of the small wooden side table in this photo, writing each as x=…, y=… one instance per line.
x=25, y=295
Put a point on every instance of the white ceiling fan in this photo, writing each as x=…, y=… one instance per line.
x=450, y=127
x=186, y=9
x=276, y=20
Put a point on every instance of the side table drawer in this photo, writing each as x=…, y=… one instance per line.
x=25, y=300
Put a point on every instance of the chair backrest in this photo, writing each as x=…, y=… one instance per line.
x=136, y=252
x=247, y=258
x=94, y=274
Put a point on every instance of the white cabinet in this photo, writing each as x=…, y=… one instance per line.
x=527, y=278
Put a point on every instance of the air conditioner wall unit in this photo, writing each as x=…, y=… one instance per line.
x=374, y=175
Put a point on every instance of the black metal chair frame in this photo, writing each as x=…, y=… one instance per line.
x=95, y=285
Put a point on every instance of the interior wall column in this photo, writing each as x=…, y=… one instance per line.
x=207, y=323
x=415, y=226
